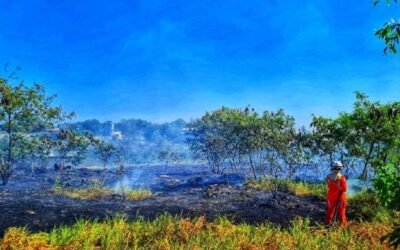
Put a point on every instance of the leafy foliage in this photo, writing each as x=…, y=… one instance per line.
x=168, y=155
x=71, y=147
x=240, y=136
x=390, y=32
x=104, y=150
x=24, y=111
x=387, y=186
x=368, y=134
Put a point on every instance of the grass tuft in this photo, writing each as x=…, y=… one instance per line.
x=294, y=187
x=137, y=194
x=98, y=191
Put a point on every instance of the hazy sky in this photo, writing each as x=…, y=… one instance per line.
x=163, y=60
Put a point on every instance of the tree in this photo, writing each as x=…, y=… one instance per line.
x=390, y=32
x=23, y=110
x=168, y=155
x=71, y=147
x=120, y=160
x=206, y=140
x=372, y=132
x=34, y=148
x=297, y=150
x=237, y=136
x=104, y=150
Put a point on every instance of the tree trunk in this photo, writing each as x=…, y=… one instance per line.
x=290, y=171
x=252, y=167
x=7, y=167
x=364, y=174
x=5, y=174
x=4, y=179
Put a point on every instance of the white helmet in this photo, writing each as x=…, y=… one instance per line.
x=337, y=164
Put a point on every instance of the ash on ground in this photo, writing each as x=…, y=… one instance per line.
x=28, y=199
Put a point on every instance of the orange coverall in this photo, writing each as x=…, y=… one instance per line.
x=336, y=188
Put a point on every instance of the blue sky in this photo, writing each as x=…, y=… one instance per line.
x=163, y=60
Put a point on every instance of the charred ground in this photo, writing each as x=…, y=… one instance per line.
x=28, y=200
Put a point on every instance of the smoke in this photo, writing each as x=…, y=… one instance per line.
x=134, y=179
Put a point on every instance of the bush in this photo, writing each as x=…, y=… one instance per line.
x=365, y=206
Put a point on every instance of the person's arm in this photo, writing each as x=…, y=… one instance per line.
x=343, y=184
x=327, y=181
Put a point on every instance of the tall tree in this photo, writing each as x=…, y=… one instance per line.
x=71, y=147
x=24, y=110
x=104, y=150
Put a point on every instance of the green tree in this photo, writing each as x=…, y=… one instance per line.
x=233, y=134
x=164, y=156
x=24, y=110
x=224, y=137
x=278, y=130
x=104, y=150
x=167, y=155
x=372, y=132
x=206, y=140
x=390, y=32
x=237, y=136
x=325, y=137
x=297, y=150
x=33, y=148
x=369, y=133
x=71, y=147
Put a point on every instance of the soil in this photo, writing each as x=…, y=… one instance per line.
x=28, y=201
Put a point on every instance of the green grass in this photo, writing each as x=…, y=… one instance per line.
x=365, y=206
x=168, y=232
x=294, y=187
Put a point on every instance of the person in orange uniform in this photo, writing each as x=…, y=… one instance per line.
x=336, y=197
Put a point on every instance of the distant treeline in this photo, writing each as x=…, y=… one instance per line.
x=144, y=142
x=135, y=129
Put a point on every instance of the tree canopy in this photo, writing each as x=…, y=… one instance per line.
x=390, y=32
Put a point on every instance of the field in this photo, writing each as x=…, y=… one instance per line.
x=266, y=214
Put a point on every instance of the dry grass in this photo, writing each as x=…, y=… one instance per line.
x=99, y=191
x=293, y=187
x=138, y=194
x=167, y=232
